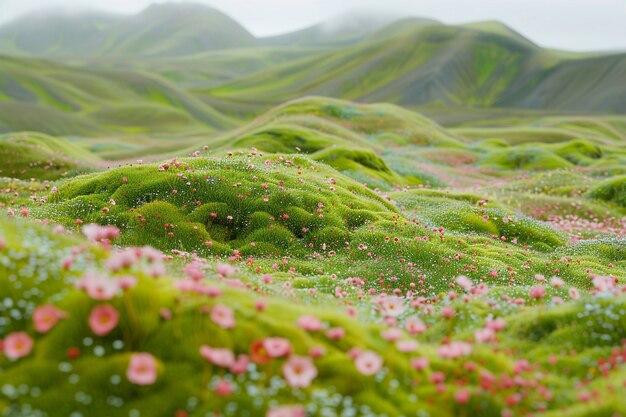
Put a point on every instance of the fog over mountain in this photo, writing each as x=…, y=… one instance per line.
x=578, y=25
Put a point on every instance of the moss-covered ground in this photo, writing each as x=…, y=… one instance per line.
x=406, y=270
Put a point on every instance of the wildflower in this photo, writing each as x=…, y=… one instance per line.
x=223, y=388
x=222, y=357
x=142, y=369
x=299, y=371
x=98, y=286
x=277, y=347
x=310, y=323
x=46, y=317
x=454, y=350
x=225, y=270
x=223, y=316
x=419, y=364
x=287, y=411
x=368, y=362
x=464, y=282
x=414, y=326
x=537, y=292
x=392, y=306
x=556, y=282
x=462, y=396
x=448, y=312
x=17, y=345
x=336, y=333
x=406, y=346
x=103, y=319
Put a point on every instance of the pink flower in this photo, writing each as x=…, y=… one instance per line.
x=103, y=319
x=127, y=282
x=454, y=350
x=122, y=259
x=336, y=333
x=464, y=282
x=485, y=335
x=603, y=284
x=46, y=317
x=223, y=316
x=537, y=292
x=391, y=335
x=419, y=364
x=448, y=312
x=310, y=323
x=287, y=411
x=97, y=233
x=240, y=365
x=414, y=326
x=317, y=352
x=462, y=396
x=276, y=347
x=406, y=346
x=17, y=345
x=392, y=306
x=437, y=377
x=557, y=282
x=142, y=369
x=193, y=271
x=299, y=371
x=368, y=362
x=496, y=325
x=573, y=293
x=224, y=358
x=223, y=388
x=98, y=286
x=225, y=270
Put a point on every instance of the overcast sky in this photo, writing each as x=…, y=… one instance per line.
x=566, y=24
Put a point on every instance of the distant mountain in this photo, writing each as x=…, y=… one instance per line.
x=342, y=30
x=216, y=64
x=160, y=30
x=480, y=65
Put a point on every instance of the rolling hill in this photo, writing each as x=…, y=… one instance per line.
x=160, y=30
x=54, y=98
x=187, y=65
x=483, y=65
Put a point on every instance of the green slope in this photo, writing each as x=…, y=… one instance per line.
x=56, y=98
x=160, y=30
x=481, y=65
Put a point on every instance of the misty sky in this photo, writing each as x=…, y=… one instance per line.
x=566, y=24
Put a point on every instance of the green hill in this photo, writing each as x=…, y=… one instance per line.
x=161, y=30
x=58, y=99
x=411, y=62
x=482, y=65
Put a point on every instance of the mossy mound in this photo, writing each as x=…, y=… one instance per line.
x=71, y=370
x=612, y=190
x=285, y=204
x=524, y=157
x=469, y=214
x=540, y=156
x=558, y=182
x=33, y=155
x=385, y=123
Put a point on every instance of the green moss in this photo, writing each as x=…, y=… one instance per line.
x=612, y=190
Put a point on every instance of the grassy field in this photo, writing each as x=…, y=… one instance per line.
x=411, y=219
x=309, y=263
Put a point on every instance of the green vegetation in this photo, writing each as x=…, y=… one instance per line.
x=185, y=231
